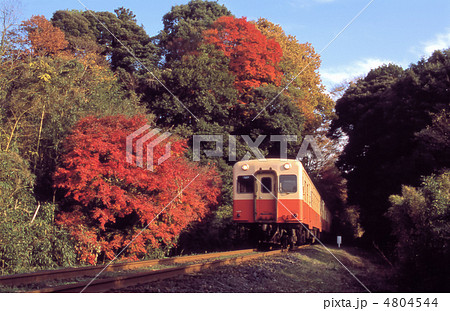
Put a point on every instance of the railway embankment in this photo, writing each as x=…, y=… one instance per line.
x=311, y=269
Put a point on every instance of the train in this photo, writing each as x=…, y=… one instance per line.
x=277, y=203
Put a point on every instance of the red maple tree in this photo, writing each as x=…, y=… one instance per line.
x=115, y=200
x=253, y=57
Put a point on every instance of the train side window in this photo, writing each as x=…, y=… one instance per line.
x=288, y=183
x=245, y=184
x=266, y=185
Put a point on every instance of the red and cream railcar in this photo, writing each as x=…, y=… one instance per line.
x=277, y=198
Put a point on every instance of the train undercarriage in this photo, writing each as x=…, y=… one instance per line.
x=284, y=235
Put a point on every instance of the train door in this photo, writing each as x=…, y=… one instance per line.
x=266, y=197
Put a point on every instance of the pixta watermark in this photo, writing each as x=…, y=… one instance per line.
x=149, y=147
x=308, y=141
x=308, y=146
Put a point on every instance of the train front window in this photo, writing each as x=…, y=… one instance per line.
x=266, y=185
x=245, y=184
x=288, y=183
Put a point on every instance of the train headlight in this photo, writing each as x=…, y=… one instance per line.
x=245, y=167
x=287, y=166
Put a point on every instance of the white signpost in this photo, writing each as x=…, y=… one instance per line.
x=339, y=241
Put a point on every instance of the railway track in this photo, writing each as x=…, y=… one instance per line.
x=91, y=271
x=131, y=278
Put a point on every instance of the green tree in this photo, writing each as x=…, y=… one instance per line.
x=434, y=140
x=421, y=224
x=118, y=38
x=281, y=117
x=381, y=115
x=106, y=29
x=184, y=26
x=29, y=239
x=205, y=89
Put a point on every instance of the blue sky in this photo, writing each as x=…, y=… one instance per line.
x=397, y=31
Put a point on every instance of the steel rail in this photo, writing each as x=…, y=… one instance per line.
x=103, y=285
x=66, y=273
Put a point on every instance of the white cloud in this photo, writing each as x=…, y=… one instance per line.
x=439, y=42
x=333, y=76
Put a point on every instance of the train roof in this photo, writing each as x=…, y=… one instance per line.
x=273, y=160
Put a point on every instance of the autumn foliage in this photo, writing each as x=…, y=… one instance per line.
x=55, y=73
x=300, y=65
x=45, y=39
x=114, y=200
x=253, y=58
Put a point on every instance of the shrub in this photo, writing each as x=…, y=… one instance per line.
x=421, y=223
x=29, y=240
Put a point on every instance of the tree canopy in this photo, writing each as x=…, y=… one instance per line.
x=117, y=35
x=114, y=202
x=44, y=38
x=253, y=58
x=184, y=26
x=382, y=115
x=299, y=65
